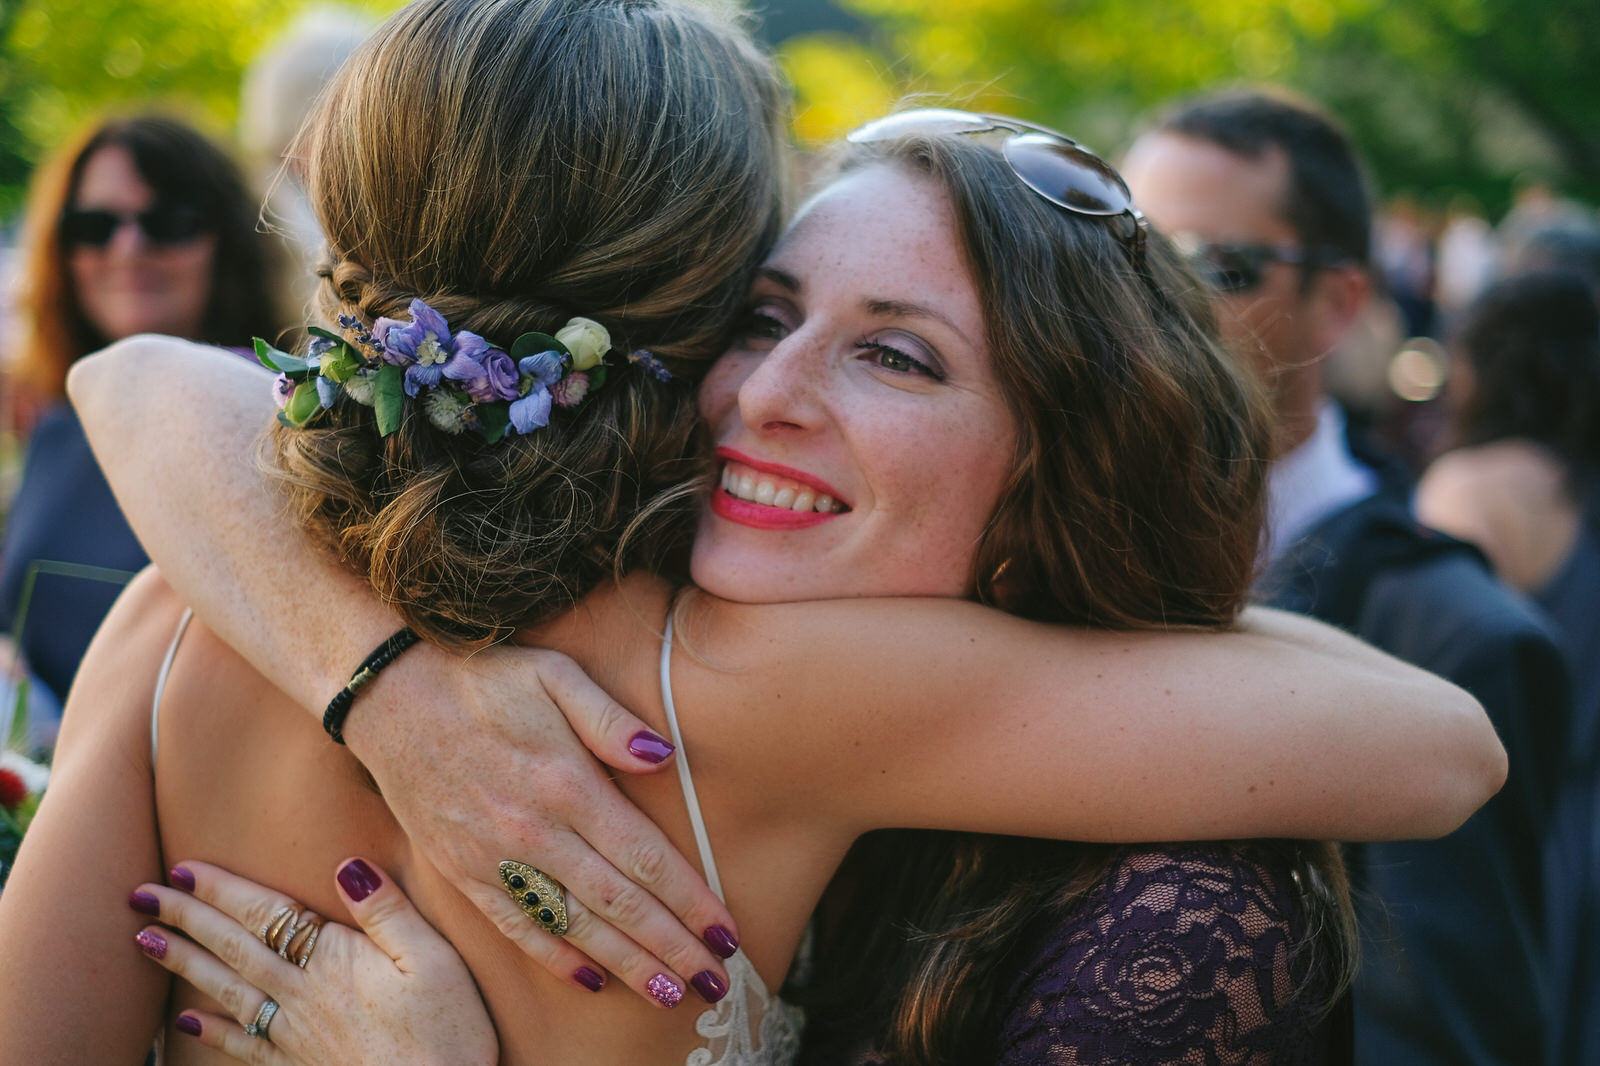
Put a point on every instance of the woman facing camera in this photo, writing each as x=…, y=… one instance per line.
x=927, y=430
x=139, y=225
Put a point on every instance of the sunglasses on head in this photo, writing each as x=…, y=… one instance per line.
x=1052, y=164
x=1241, y=267
x=94, y=227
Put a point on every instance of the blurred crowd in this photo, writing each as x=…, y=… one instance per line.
x=1437, y=490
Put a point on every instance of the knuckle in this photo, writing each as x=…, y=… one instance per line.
x=627, y=906
x=231, y=950
x=649, y=864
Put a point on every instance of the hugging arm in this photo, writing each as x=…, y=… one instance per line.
x=189, y=486
x=74, y=988
x=982, y=721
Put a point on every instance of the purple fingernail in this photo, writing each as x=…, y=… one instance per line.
x=721, y=941
x=359, y=880
x=590, y=979
x=187, y=1023
x=181, y=877
x=145, y=903
x=649, y=747
x=666, y=991
x=709, y=985
x=153, y=943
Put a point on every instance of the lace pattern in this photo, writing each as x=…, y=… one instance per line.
x=1182, y=955
x=726, y=1027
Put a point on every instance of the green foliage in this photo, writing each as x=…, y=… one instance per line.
x=63, y=63
x=1459, y=94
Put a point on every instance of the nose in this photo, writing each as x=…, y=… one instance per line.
x=781, y=393
x=128, y=238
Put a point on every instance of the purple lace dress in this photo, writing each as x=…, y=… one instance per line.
x=1184, y=954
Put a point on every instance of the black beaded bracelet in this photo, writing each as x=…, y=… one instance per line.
x=339, y=707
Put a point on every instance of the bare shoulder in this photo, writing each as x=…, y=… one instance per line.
x=1511, y=498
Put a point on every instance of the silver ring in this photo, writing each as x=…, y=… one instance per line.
x=263, y=1019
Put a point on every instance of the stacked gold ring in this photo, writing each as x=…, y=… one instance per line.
x=292, y=933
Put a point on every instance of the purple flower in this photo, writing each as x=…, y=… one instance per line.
x=532, y=411
x=499, y=380
x=282, y=389
x=425, y=339
x=327, y=391
x=545, y=368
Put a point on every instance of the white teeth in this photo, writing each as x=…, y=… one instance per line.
x=789, y=497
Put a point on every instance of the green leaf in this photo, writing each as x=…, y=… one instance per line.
x=597, y=377
x=282, y=362
x=534, y=343
x=303, y=404
x=387, y=393
x=318, y=331
x=492, y=421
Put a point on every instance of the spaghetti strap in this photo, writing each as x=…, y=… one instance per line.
x=749, y=1026
x=161, y=682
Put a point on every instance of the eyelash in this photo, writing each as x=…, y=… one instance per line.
x=916, y=366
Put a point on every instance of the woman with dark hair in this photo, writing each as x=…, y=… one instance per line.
x=1522, y=481
x=886, y=423
x=141, y=225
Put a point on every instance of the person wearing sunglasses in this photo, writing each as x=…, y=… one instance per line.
x=1266, y=193
x=139, y=225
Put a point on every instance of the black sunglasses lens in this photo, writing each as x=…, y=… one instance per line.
x=1067, y=175
x=92, y=228
x=172, y=223
x=1230, y=269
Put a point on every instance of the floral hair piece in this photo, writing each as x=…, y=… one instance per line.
x=463, y=381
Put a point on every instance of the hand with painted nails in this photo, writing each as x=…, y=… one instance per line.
x=418, y=1002
x=505, y=775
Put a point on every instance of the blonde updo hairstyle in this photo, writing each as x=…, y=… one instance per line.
x=514, y=163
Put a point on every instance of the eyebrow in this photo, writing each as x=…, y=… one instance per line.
x=881, y=308
x=902, y=309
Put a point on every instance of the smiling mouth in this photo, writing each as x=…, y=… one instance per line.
x=770, y=490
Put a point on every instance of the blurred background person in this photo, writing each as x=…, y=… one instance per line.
x=1267, y=192
x=139, y=225
x=275, y=96
x=1523, y=483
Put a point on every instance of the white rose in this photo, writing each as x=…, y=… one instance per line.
x=587, y=340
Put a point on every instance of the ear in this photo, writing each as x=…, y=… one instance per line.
x=1338, y=296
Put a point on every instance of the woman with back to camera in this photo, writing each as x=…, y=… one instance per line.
x=939, y=446
x=139, y=225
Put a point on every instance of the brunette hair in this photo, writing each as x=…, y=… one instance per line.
x=180, y=165
x=1327, y=200
x=1533, y=343
x=1137, y=495
x=1136, y=503
x=514, y=163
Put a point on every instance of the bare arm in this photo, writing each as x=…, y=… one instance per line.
x=982, y=721
x=74, y=988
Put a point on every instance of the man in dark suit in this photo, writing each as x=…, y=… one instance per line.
x=1265, y=191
